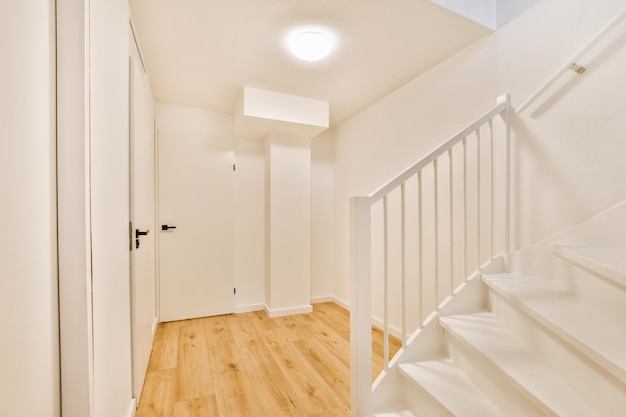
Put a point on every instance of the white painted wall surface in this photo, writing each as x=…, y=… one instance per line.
x=569, y=144
x=288, y=227
x=322, y=242
x=109, y=145
x=29, y=353
x=74, y=242
x=573, y=150
x=391, y=135
x=249, y=222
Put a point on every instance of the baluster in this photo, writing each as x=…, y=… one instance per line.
x=386, y=282
x=465, y=239
x=421, y=249
x=436, y=207
x=507, y=220
x=451, y=172
x=478, y=231
x=403, y=260
x=492, y=196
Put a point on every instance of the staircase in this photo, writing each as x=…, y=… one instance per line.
x=541, y=346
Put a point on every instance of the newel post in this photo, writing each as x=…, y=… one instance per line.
x=506, y=99
x=360, y=304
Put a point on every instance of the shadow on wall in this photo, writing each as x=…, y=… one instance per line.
x=544, y=179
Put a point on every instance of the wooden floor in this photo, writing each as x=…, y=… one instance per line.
x=247, y=365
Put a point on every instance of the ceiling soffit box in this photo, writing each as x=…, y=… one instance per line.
x=260, y=113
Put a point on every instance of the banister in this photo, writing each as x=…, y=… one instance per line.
x=385, y=189
x=572, y=60
x=361, y=239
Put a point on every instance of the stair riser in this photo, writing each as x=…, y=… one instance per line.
x=603, y=297
x=602, y=391
x=422, y=404
x=494, y=384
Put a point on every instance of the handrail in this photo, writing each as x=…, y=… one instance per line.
x=572, y=60
x=361, y=249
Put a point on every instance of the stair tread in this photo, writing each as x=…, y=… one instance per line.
x=485, y=333
x=608, y=261
x=549, y=303
x=450, y=387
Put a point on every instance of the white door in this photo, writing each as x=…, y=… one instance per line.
x=143, y=220
x=196, y=271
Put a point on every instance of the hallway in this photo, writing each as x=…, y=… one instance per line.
x=251, y=365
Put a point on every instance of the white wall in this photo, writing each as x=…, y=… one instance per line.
x=288, y=225
x=73, y=211
x=322, y=242
x=568, y=145
x=556, y=154
x=249, y=219
x=29, y=353
x=380, y=142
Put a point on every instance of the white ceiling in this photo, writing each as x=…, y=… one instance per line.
x=201, y=53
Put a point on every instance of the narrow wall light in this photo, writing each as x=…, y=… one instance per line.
x=310, y=45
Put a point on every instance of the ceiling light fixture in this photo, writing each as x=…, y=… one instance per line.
x=310, y=45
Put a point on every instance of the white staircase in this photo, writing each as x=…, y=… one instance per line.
x=542, y=346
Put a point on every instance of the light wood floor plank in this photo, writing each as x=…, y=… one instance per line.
x=165, y=347
x=217, y=330
x=194, y=368
x=257, y=358
x=330, y=333
x=159, y=392
x=234, y=389
x=198, y=407
x=248, y=365
x=328, y=367
x=310, y=387
x=276, y=394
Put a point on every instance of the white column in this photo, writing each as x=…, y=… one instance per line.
x=288, y=225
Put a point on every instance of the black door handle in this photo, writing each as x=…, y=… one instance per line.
x=140, y=233
x=166, y=227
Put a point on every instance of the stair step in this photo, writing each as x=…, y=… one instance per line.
x=607, y=261
x=450, y=387
x=552, y=306
x=394, y=410
x=486, y=335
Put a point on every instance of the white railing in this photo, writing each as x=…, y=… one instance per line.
x=413, y=241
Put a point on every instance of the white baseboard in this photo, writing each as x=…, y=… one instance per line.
x=155, y=324
x=379, y=324
x=249, y=308
x=132, y=409
x=280, y=312
x=341, y=303
x=322, y=299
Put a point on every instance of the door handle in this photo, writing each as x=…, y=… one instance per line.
x=166, y=227
x=140, y=233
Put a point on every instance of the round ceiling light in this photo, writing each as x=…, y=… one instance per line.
x=310, y=45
